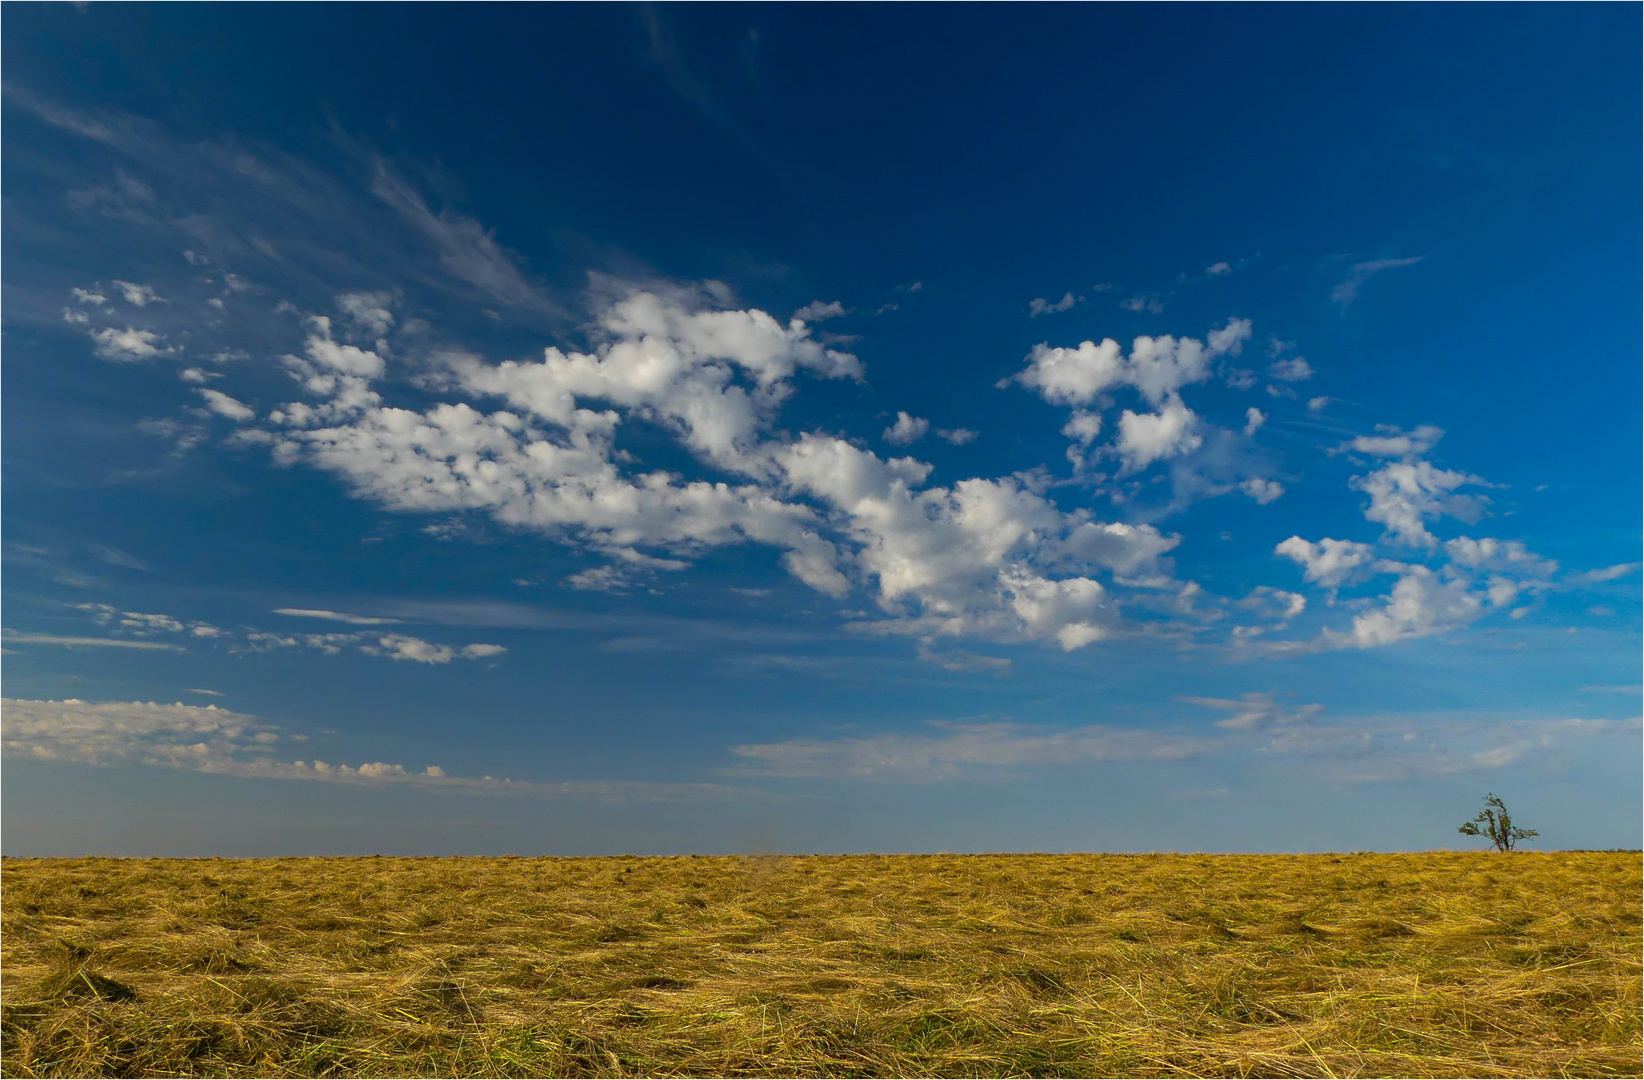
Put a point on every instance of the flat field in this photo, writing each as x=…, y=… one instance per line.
x=997, y=965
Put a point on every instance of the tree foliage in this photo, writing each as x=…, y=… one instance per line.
x=1495, y=823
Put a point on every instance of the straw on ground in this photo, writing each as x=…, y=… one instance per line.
x=1082, y=965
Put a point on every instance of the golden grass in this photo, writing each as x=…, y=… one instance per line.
x=1004, y=965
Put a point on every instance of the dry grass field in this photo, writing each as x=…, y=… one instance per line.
x=1082, y=965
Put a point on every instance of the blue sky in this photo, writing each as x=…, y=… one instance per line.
x=586, y=429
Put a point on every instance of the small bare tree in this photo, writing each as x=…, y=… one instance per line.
x=1494, y=822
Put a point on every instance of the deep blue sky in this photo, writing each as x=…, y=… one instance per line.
x=1205, y=427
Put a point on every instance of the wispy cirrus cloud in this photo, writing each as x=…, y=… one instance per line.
x=1347, y=290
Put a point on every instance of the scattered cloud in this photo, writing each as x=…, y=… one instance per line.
x=1390, y=441
x=335, y=616
x=223, y=405
x=1156, y=366
x=1151, y=303
x=907, y=430
x=952, y=751
x=1347, y=290
x=1254, y=418
x=206, y=739
x=129, y=344
x=816, y=311
x=1255, y=711
x=1329, y=562
x=15, y=637
x=137, y=295
x=1040, y=306
x=957, y=436
x=1291, y=369
x=1221, y=269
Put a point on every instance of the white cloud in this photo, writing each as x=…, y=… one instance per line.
x=1329, y=562
x=406, y=647
x=1156, y=366
x=75, y=318
x=1405, y=494
x=1220, y=269
x=1254, y=418
x=334, y=616
x=207, y=739
x=1487, y=553
x=223, y=405
x=1255, y=711
x=906, y=430
x=599, y=579
x=467, y=250
x=816, y=311
x=1317, y=404
x=1262, y=490
x=1390, y=441
x=1083, y=426
x=1348, y=289
x=89, y=296
x=1148, y=437
x=138, y=295
x=1151, y=303
x=1291, y=369
x=1420, y=604
x=957, y=436
x=128, y=344
x=369, y=311
x=955, y=751
x=1040, y=306
x=15, y=637
x=139, y=622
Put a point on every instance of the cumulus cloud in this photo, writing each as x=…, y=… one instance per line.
x=1262, y=490
x=138, y=295
x=1254, y=418
x=1317, y=404
x=957, y=436
x=1347, y=290
x=1148, y=437
x=1151, y=303
x=1156, y=366
x=1420, y=604
x=816, y=311
x=129, y=344
x=369, y=311
x=1221, y=269
x=1391, y=441
x=906, y=430
x=1328, y=562
x=223, y=405
x=982, y=557
x=1083, y=426
x=1291, y=369
x=1404, y=495
x=93, y=296
x=1040, y=306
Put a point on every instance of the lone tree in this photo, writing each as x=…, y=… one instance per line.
x=1494, y=822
